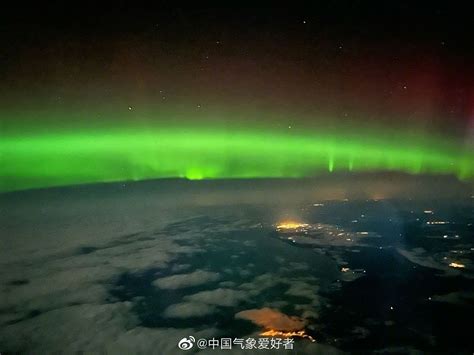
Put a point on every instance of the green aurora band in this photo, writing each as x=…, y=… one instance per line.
x=45, y=158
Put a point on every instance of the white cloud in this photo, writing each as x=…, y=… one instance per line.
x=68, y=329
x=195, y=278
x=188, y=309
x=58, y=262
x=303, y=289
x=219, y=297
x=106, y=328
x=180, y=267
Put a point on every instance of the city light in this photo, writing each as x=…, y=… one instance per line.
x=457, y=265
x=288, y=225
x=292, y=334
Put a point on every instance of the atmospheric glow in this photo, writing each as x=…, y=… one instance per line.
x=35, y=158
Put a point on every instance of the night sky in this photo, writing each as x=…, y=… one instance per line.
x=94, y=93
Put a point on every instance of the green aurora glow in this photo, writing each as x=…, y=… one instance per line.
x=44, y=158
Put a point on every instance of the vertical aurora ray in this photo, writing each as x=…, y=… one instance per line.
x=331, y=163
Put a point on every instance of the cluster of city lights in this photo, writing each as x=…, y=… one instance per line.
x=291, y=225
x=291, y=334
x=457, y=265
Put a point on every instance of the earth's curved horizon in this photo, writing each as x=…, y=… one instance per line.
x=140, y=266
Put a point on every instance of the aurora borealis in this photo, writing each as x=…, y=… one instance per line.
x=211, y=152
x=243, y=93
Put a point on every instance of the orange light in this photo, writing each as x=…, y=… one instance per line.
x=293, y=334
